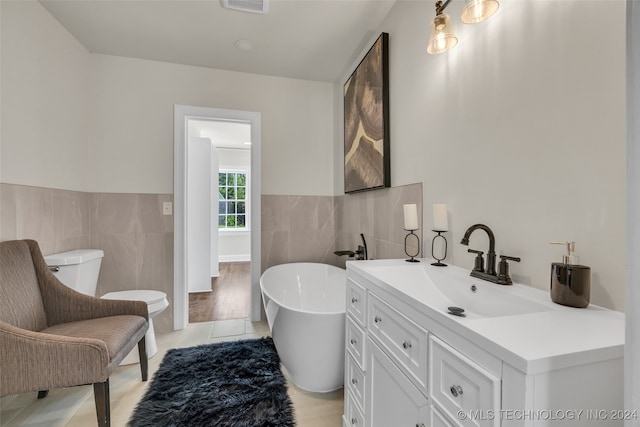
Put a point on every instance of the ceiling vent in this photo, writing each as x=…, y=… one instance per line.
x=252, y=6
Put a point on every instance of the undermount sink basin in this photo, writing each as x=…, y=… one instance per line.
x=445, y=287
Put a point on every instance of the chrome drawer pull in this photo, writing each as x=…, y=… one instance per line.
x=354, y=300
x=377, y=319
x=354, y=381
x=354, y=341
x=406, y=345
x=456, y=390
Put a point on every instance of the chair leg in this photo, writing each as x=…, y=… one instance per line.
x=144, y=365
x=103, y=410
x=42, y=394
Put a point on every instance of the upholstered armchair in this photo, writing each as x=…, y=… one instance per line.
x=52, y=336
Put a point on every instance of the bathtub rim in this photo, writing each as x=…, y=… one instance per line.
x=263, y=292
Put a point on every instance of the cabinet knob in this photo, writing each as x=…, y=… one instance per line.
x=456, y=390
x=354, y=341
x=354, y=381
x=377, y=319
x=406, y=345
x=354, y=421
x=354, y=300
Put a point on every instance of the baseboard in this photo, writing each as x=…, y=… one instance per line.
x=234, y=258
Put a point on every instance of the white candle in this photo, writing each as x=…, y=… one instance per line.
x=440, y=221
x=410, y=217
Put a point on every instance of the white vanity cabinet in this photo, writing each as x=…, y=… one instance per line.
x=408, y=364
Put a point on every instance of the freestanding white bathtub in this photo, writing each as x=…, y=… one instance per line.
x=305, y=307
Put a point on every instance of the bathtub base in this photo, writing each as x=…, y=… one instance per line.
x=305, y=308
x=287, y=374
x=312, y=352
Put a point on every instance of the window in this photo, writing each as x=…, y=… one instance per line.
x=233, y=200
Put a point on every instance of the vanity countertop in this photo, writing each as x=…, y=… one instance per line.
x=518, y=323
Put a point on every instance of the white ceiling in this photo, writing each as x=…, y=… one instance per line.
x=305, y=39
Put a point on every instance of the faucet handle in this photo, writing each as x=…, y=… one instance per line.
x=479, y=262
x=503, y=269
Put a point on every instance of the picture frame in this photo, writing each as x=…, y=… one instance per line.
x=366, y=121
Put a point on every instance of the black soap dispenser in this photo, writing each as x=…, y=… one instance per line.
x=570, y=281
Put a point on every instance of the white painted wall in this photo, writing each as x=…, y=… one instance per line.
x=45, y=97
x=520, y=127
x=87, y=122
x=234, y=245
x=133, y=102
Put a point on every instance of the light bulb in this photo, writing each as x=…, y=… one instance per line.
x=479, y=10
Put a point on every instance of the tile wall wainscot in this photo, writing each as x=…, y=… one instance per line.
x=298, y=229
x=379, y=214
x=59, y=220
x=136, y=238
x=311, y=228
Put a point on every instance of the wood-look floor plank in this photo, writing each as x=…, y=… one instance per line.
x=229, y=298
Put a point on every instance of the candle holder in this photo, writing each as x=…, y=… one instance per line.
x=438, y=262
x=406, y=251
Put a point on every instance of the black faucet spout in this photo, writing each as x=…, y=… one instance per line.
x=491, y=254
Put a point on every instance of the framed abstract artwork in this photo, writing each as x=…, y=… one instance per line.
x=366, y=121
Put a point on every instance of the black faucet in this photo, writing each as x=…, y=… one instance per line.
x=361, y=253
x=362, y=250
x=489, y=273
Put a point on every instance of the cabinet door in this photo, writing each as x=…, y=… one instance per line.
x=392, y=400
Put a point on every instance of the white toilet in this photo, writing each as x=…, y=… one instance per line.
x=79, y=269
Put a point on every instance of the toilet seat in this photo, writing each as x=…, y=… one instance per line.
x=156, y=300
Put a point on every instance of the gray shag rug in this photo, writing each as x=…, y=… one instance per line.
x=229, y=384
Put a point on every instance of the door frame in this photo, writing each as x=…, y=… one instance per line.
x=180, y=290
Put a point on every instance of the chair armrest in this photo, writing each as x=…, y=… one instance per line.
x=63, y=304
x=33, y=361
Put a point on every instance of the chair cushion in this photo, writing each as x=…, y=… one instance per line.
x=115, y=331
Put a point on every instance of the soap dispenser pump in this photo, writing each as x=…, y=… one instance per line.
x=570, y=281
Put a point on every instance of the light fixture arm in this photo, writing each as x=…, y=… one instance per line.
x=440, y=6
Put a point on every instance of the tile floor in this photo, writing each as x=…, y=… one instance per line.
x=74, y=406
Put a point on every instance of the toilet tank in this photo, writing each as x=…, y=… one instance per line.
x=78, y=269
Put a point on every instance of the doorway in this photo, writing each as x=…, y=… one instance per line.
x=182, y=258
x=226, y=296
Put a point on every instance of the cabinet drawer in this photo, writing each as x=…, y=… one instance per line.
x=355, y=342
x=458, y=384
x=354, y=379
x=352, y=415
x=356, y=301
x=405, y=341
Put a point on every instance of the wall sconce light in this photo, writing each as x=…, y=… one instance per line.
x=442, y=37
